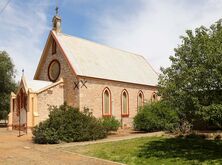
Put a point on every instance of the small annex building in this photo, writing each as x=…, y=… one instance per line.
x=31, y=101
x=84, y=74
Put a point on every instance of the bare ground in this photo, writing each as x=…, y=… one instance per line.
x=20, y=150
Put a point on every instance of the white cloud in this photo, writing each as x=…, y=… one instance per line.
x=154, y=29
x=21, y=31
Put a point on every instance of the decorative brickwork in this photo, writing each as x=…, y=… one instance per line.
x=70, y=95
x=91, y=97
x=46, y=99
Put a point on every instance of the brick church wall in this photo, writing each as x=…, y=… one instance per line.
x=70, y=95
x=91, y=97
x=51, y=96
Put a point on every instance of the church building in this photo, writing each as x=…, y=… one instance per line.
x=84, y=74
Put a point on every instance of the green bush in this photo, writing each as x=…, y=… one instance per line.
x=156, y=116
x=70, y=125
x=110, y=123
x=44, y=134
x=212, y=114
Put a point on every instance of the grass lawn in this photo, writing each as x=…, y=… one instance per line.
x=156, y=150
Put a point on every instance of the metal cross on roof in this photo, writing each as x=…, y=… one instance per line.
x=57, y=10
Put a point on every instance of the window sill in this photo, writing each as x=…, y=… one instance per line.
x=125, y=115
x=107, y=115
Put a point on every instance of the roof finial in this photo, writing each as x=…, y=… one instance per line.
x=57, y=10
x=57, y=20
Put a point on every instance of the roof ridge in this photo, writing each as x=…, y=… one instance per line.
x=50, y=85
x=37, y=80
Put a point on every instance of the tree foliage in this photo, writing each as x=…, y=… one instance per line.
x=7, y=83
x=193, y=82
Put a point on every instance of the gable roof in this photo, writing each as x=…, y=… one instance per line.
x=37, y=86
x=91, y=59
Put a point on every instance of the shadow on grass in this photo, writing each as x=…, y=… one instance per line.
x=188, y=149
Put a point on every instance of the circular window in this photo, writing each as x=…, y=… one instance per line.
x=54, y=70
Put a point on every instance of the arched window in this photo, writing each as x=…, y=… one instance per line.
x=13, y=105
x=18, y=101
x=140, y=100
x=53, y=47
x=106, y=102
x=22, y=98
x=154, y=96
x=125, y=103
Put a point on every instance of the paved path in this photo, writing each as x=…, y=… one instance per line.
x=21, y=151
x=111, y=139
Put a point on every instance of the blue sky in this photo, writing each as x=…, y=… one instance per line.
x=147, y=27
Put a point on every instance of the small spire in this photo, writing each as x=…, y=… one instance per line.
x=57, y=10
x=56, y=21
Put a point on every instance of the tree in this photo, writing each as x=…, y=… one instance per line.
x=7, y=83
x=193, y=82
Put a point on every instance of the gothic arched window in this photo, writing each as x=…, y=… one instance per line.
x=106, y=102
x=140, y=100
x=154, y=96
x=53, y=47
x=125, y=103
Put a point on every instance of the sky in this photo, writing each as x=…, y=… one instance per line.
x=147, y=27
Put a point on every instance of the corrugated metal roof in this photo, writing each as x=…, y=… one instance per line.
x=99, y=61
x=36, y=85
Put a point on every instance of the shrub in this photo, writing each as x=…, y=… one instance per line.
x=44, y=134
x=156, y=116
x=110, y=123
x=70, y=125
x=212, y=114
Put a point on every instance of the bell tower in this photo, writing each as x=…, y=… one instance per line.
x=56, y=22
